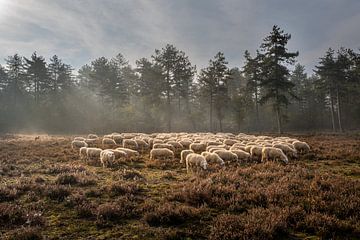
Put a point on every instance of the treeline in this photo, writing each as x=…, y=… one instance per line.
x=167, y=93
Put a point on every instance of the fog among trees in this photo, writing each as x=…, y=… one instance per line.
x=165, y=92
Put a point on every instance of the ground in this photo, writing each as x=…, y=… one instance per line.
x=47, y=192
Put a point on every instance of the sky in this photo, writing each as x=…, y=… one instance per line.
x=79, y=31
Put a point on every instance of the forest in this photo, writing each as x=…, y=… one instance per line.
x=271, y=92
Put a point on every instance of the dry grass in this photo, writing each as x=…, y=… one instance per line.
x=48, y=192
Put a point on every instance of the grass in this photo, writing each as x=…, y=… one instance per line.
x=48, y=192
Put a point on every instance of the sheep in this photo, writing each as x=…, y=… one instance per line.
x=226, y=155
x=107, y=157
x=82, y=153
x=130, y=143
x=301, y=147
x=108, y=141
x=119, y=154
x=256, y=152
x=195, y=160
x=90, y=141
x=242, y=155
x=93, y=153
x=183, y=155
x=92, y=136
x=142, y=144
x=185, y=142
x=198, y=147
x=213, y=143
x=129, y=152
x=78, y=144
x=213, y=149
x=79, y=139
x=290, y=152
x=177, y=146
x=117, y=138
x=237, y=147
x=213, y=158
x=230, y=142
x=162, y=153
x=274, y=154
x=222, y=146
x=164, y=145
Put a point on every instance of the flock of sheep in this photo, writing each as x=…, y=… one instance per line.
x=195, y=150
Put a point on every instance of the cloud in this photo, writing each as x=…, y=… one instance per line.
x=82, y=30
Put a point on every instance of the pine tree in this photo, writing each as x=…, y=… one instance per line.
x=275, y=82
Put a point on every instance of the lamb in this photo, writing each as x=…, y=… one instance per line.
x=242, y=155
x=290, y=152
x=93, y=153
x=194, y=160
x=184, y=154
x=164, y=145
x=107, y=157
x=163, y=153
x=256, y=152
x=92, y=136
x=108, y=141
x=78, y=144
x=274, y=154
x=301, y=147
x=213, y=158
x=130, y=143
x=82, y=153
x=198, y=147
x=226, y=155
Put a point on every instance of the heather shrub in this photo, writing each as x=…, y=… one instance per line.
x=57, y=192
x=170, y=214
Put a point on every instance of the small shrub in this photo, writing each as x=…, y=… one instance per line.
x=115, y=211
x=8, y=194
x=170, y=214
x=65, y=179
x=25, y=234
x=132, y=175
x=57, y=192
x=85, y=210
x=12, y=214
x=119, y=188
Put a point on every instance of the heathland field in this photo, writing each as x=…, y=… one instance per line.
x=48, y=192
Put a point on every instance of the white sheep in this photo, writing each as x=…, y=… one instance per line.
x=242, y=155
x=78, y=144
x=79, y=139
x=198, y=147
x=230, y=142
x=177, y=146
x=119, y=154
x=213, y=158
x=93, y=153
x=92, y=136
x=164, y=145
x=256, y=152
x=108, y=141
x=107, y=157
x=142, y=144
x=194, y=160
x=301, y=147
x=161, y=153
x=183, y=155
x=290, y=152
x=82, y=153
x=273, y=154
x=130, y=143
x=130, y=153
x=117, y=138
x=185, y=142
x=226, y=155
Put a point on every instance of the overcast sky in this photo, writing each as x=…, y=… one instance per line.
x=79, y=31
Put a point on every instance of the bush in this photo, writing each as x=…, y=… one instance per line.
x=116, y=211
x=258, y=223
x=119, y=188
x=170, y=214
x=57, y=192
x=25, y=234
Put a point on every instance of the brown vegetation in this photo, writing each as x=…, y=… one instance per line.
x=47, y=191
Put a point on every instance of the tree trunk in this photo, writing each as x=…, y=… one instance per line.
x=168, y=101
x=220, y=124
x=339, y=110
x=257, y=110
x=211, y=112
x=278, y=119
x=332, y=112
